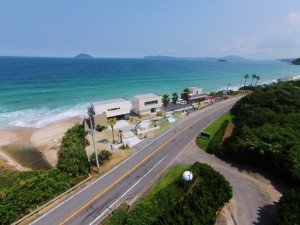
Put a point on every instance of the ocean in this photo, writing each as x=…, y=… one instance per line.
x=37, y=91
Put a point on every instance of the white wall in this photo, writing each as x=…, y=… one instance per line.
x=113, y=109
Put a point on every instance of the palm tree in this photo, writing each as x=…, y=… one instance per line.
x=253, y=77
x=246, y=77
x=174, y=100
x=111, y=122
x=186, y=92
x=121, y=135
x=257, y=78
x=165, y=100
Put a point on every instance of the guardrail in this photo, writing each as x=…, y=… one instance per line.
x=51, y=201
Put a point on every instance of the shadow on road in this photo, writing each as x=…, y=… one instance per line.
x=267, y=214
x=278, y=183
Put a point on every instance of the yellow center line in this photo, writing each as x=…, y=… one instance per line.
x=133, y=168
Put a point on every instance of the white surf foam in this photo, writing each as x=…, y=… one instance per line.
x=41, y=117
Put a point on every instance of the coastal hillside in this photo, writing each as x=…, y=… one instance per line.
x=296, y=61
x=267, y=135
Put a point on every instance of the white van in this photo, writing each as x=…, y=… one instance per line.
x=181, y=102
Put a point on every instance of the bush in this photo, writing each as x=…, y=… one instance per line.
x=159, y=113
x=289, y=208
x=215, y=145
x=72, y=157
x=103, y=156
x=182, y=203
x=100, y=128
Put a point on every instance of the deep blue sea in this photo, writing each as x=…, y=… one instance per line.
x=37, y=91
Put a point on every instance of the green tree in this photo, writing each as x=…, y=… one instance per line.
x=245, y=77
x=186, y=92
x=174, y=100
x=252, y=78
x=111, y=122
x=257, y=78
x=165, y=100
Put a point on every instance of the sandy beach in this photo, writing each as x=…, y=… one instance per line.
x=46, y=139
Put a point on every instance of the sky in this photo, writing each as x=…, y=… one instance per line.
x=257, y=29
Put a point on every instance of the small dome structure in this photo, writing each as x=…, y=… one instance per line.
x=187, y=176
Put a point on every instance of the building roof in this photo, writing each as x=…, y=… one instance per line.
x=109, y=101
x=147, y=95
x=197, y=96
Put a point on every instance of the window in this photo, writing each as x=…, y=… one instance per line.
x=113, y=109
x=151, y=102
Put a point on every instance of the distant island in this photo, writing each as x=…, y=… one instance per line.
x=222, y=59
x=159, y=57
x=83, y=55
x=296, y=61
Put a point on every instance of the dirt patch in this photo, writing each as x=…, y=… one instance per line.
x=228, y=131
x=227, y=215
x=117, y=157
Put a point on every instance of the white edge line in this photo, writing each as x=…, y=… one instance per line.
x=105, y=211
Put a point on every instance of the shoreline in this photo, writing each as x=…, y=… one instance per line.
x=46, y=140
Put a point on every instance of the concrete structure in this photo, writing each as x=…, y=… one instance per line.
x=195, y=90
x=146, y=103
x=108, y=108
x=195, y=95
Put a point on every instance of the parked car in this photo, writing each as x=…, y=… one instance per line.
x=181, y=102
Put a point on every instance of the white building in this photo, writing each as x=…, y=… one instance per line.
x=195, y=90
x=195, y=95
x=113, y=107
x=146, y=103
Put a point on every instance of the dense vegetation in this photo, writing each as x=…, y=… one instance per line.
x=296, y=61
x=180, y=202
x=212, y=129
x=289, y=208
x=23, y=192
x=267, y=131
x=214, y=145
x=267, y=135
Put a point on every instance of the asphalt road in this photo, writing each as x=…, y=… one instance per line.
x=135, y=175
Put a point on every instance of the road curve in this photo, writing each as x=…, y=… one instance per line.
x=135, y=175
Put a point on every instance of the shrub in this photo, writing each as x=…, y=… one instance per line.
x=214, y=145
x=103, y=156
x=100, y=128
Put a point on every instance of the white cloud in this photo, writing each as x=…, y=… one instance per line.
x=278, y=40
x=294, y=18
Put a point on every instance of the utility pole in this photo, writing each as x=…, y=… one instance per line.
x=92, y=130
x=227, y=89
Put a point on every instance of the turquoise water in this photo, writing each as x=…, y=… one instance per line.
x=37, y=91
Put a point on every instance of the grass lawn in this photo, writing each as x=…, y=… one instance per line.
x=167, y=179
x=203, y=142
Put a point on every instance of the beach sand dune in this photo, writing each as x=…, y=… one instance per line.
x=50, y=134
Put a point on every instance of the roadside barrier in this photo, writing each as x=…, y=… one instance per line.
x=51, y=201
